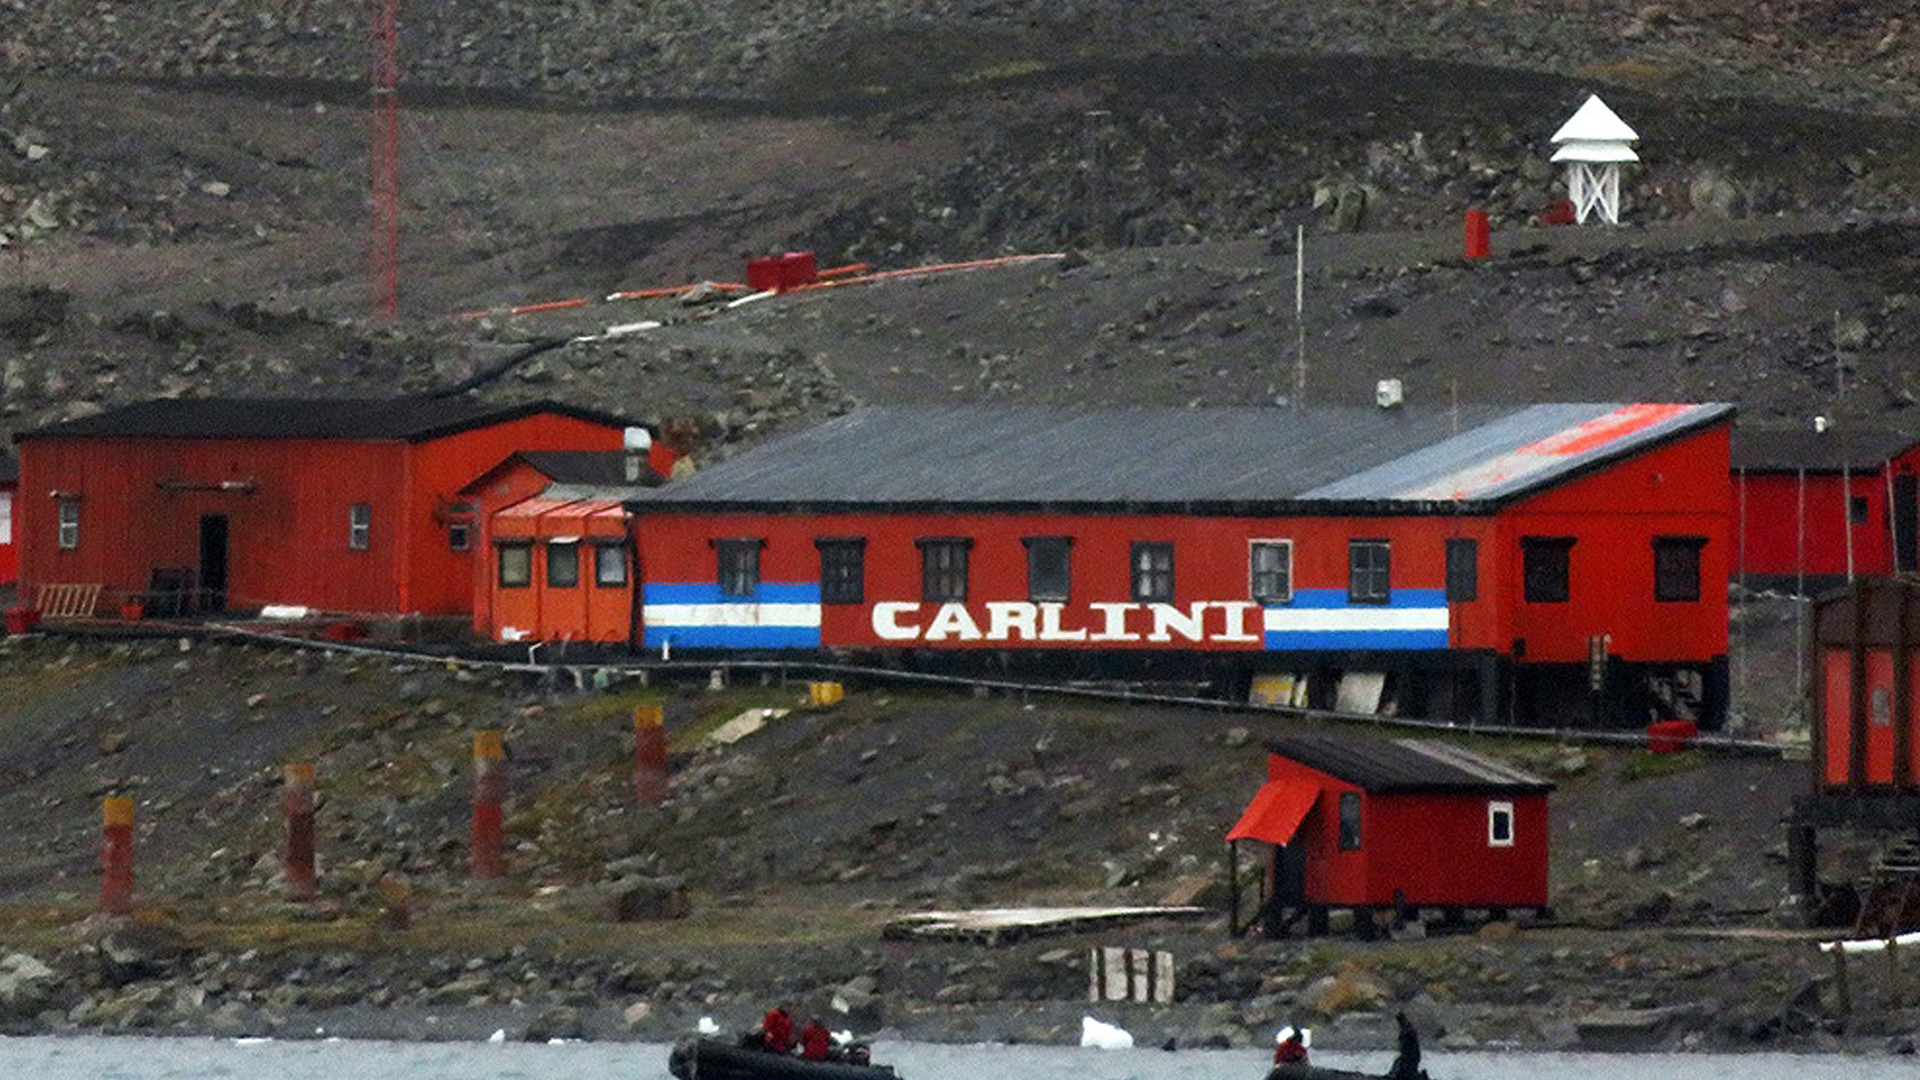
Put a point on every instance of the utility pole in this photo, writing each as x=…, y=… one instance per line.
x=384, y=253
x=1299, y=316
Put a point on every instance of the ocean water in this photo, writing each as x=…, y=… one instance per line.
x=132, y=1058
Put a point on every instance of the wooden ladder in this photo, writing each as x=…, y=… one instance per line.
x=68, y=601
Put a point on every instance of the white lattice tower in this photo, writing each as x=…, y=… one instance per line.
x=1593, y=143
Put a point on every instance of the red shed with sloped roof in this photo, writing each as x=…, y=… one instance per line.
x=1819, y=506
x=345, y=505
x=1376, y=826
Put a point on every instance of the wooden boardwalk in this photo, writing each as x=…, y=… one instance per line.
x=995, y=925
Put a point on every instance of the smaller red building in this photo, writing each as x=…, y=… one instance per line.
x=1392, y=826
x=1815, y=507
x=9, y=487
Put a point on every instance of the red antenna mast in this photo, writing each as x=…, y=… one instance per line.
x=384, y=260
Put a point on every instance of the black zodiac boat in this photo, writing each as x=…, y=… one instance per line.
x=717, y=1059
x=1314, y=1072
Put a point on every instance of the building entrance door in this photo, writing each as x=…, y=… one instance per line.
x=1906, y=520
x=213, y=562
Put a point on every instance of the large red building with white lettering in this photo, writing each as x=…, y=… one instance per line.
x=1486, y=562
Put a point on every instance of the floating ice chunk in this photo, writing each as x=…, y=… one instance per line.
x=707, y=1026
x=1103, y=1036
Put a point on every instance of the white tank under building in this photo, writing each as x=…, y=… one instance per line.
x=1594, y=142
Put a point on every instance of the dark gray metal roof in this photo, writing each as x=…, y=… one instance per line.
x=1405, y=764
x=9, y=468
x=589, y=467
x=409, y=419
x=1791, y=449
x=1395, y=459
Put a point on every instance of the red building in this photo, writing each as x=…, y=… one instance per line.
x=348, y=506
x=1864, y=659
x=1495, y=562
x=1817, y=507
x=558, y=544
x=1376, y=826
x=9, y=550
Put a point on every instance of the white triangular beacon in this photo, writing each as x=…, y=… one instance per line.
x=1593, y=143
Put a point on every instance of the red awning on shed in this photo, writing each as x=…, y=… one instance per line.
x=1276, y=812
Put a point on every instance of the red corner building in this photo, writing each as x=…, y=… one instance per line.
x=1379, y=826
x=349, y=506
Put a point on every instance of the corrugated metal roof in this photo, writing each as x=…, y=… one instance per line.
x=1790, y=449
x=1404, y=764
x=1040, y=455
x=410, y=419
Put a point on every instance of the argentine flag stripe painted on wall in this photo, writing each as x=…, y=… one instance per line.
x=779, y=615
x=1323, y=619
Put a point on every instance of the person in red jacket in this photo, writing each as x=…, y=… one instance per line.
x=776, y=1031
x=1290, y=1048
x=815, y=1041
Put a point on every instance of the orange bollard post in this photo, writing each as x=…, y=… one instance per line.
x=116, y=855
x=650, y=755
x=296, y=802
x=489, y=858
x=1479, y=234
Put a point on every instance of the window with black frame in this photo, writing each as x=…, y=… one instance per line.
x=1369, y=572
x=563, y=563
x=1676, y=568
x=943, y=569
x=1152, y=572
x=515, y=565
x=1049, y=568
x=1270, y=571
x=738, y=566
x=1546, y=569
x=609, y=566
x=843, y=570
x=1349, y=821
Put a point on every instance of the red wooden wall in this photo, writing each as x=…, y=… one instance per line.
x=1772, y=522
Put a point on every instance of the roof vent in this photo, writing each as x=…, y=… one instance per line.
x=1388, y=394
x=636, y=438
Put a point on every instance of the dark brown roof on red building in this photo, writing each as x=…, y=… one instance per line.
x=401, y=419
x=9, y=468
x=1404, y=764
x=598, y=467
x=1792, y=449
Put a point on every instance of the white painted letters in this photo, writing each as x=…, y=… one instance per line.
x=886, y=621
x=952, y=619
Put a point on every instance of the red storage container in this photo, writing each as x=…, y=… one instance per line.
x=1670, y=736
x=22, y=620
x=763, y=274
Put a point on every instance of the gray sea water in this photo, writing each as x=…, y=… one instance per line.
x=211, y=1059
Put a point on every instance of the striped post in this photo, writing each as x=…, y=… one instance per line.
x=116, y=855
x=650, y=755
x=296, y=803
x=489, y=792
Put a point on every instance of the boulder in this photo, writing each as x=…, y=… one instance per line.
x=556, y=1022
x=637, y=899
x=26, y=987
x=132, y=951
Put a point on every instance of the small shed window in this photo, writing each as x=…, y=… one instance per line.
x=1546, y=568
x=1676, y=567
x=516, y=565
x=1152, y=572
x=1349, y=821
x=69, y=518
x=359, y=526
x=6, y=517
x=843, y=570
x=1857, y=509
x=609, y=566
x=1499, y=824
x=739, y=566
x=563, y=562
x=1049, y=567
x=943, y=569
x=459, y=537
x=1369, y=572
x=1270, y=571
x=1463, y=569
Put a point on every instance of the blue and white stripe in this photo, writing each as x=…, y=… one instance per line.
x=1324, y=619
x=779, y=615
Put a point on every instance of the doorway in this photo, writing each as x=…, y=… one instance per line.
x=213, y=562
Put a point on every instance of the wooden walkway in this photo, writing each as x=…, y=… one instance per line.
x=995, y=925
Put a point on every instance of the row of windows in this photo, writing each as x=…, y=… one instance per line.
x=1546, y=571
x=359, y=526
x=515, y=569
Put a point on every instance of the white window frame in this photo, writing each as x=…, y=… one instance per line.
x=6, y=517
x=359, y=526
x=67, y=513
x=1253, y=593
x=1495, y=809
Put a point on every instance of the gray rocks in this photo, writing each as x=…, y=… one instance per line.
x=557, y=1022
x=133, y=951
x=27, y=986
